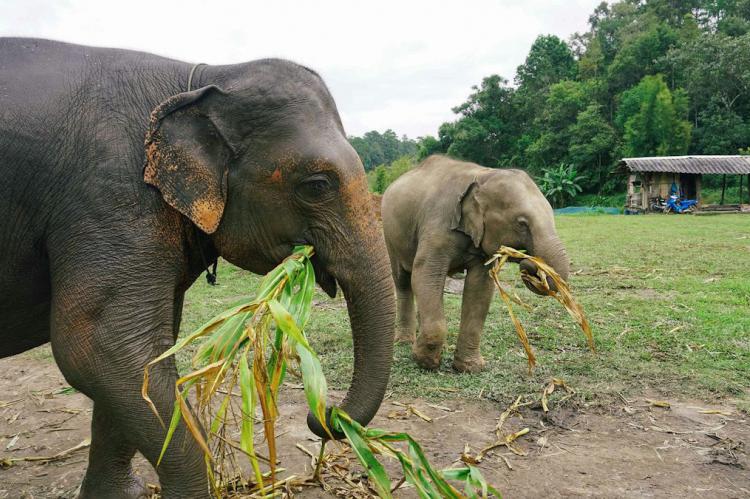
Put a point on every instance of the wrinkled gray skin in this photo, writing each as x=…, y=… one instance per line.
x=100, y=236
x=447, y=216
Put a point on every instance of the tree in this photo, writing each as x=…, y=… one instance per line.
x=564, y=101
x=721, y=131
x=375, y=148
x=381, y=180
x=384, y=175
x=652, y=119
x=715, y=67
x=428, y=145
x=648, y=77
x=641, y=53
x=486, y=130
x=591, y=145
x=550, y=60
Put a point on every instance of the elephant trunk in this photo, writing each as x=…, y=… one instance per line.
x=365, y=278
x=550, y=249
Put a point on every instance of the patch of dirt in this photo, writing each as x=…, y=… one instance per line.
x=454, y=286
x=633, y=448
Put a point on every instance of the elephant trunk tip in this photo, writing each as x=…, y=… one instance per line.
x=317, y=428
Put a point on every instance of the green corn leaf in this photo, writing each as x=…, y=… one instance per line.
x=176, y=414
x=219, y=418
x=411, y=477
x=458, y=474
x=284, y=299
x=285, y=321
x=314, y=382
x=247, y=427
x=313, y=379
x=375, y=470
x=444, y=487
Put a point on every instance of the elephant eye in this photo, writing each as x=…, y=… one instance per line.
x=314, y=187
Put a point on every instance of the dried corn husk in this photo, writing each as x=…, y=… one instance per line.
x=540, y=283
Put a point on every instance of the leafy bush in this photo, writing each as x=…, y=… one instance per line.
x=384, y=175
x=560, y=184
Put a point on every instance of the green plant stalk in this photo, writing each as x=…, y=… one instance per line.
x=284, y=304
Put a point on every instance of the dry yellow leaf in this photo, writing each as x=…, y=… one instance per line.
x=540, y=283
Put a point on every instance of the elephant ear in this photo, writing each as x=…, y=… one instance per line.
x=468, y=215
x=187, y=157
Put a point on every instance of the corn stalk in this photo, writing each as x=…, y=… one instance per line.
x=249, y=347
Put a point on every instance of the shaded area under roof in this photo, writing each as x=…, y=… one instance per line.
x=727, y=165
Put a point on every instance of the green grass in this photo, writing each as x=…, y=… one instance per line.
x=668, y=298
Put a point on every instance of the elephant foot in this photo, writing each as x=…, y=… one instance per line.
x=134, y=488
x=469, y=365
x=407, y=337
x=427, y=356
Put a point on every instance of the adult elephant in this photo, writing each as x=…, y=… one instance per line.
x=101, y=235
x=447, y=216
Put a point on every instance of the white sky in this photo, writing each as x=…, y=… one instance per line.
x=389, y=64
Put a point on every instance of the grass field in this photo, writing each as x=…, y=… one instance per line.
x=668, y=298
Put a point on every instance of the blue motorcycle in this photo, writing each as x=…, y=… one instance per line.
x=680, y=206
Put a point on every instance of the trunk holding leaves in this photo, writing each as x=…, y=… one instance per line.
x=370, y=300
x=550, y=249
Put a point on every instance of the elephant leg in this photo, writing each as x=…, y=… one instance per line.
x=475, y=303
x=109, y=473
x=406, y=319
x=106, y=327
x=428, y=281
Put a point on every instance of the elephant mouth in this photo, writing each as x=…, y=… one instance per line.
x=532, y=269
x=324, y=279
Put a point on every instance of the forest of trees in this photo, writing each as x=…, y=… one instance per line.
x=649, y=77
x=382, y=149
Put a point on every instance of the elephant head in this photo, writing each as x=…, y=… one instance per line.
x=259, y=161
x=505, y=207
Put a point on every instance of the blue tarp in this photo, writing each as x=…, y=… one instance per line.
x=575, y=210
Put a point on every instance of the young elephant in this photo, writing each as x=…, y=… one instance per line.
x=446, y=216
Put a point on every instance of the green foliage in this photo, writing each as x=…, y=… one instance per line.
x=487, y=125
x=722, y=131
x=381, y=180
x=427, y=146
x=384, y=175
x=649, y=77
x=375, y=148
x=591, y=138
x=550, y=60
x=250, y=345
x=560, y=184
x=652, y=119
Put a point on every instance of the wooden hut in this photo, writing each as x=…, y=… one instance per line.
x=658, y=177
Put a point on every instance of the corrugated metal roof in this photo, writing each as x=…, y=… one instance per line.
x=729, y=165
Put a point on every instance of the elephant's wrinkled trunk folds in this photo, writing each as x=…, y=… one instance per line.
x=551, y=250
x=368, y=288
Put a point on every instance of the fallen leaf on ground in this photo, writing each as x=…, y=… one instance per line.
x=659, y=403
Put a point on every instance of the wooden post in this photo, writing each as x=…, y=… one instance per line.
x=723, y=188
x=698, y=181
x=740, y=189
x=631, y=191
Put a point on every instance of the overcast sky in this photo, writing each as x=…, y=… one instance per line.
x=389, y=64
